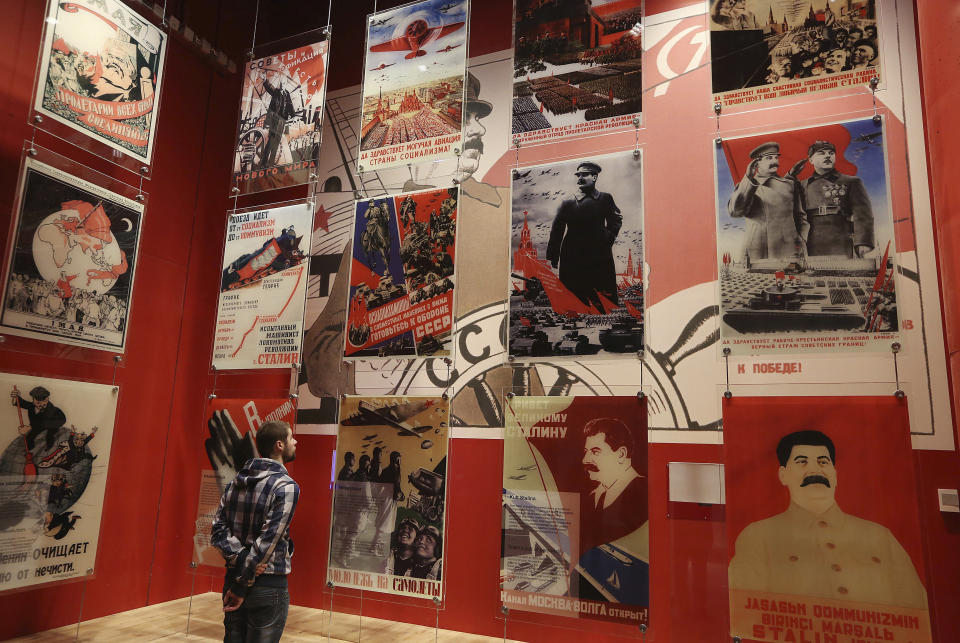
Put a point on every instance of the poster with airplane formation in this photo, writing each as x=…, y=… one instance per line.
x=281, y=115
x=263, y=284
x=767, y=49
x=413, y=93
x=575, y=538
x=55, y=436
x=806, y=241
x=387, y=530
x=576, y=268
x=73, y=261
x=577, y=68
x=100, y=69
x=402, y=277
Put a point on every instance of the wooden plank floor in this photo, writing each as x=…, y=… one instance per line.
x=168, y=622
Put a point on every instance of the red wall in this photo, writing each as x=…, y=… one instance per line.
x=148, y=517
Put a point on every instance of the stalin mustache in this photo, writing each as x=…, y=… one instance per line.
x=815, y=479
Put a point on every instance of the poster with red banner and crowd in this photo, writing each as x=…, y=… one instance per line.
x=576, y=266
x=767, y=49
x=281, y=115
x=806, y=243
x=402, y=275
x=575, y=539
x=413, y=84
x=577, y=68
x=100, y=69
x=263, y=286
x=822, y=521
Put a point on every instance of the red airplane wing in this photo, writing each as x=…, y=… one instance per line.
x=448, y=29
x=397, y=44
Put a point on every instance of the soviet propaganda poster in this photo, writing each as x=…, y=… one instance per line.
x=232, y=425
x=575, y=531
x=387, y=530
x=766, y=49
x=73, y=261
x=56, y=437
x=412, y=109
x=402, y=277
x=100, y=72
x=823, y=537
x=576, y=266
x=262, y=288
x=576, y=67
x=806, y=244
x=281, y=115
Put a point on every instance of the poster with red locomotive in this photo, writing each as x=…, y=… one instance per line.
x=262, y=288
x=402, y=275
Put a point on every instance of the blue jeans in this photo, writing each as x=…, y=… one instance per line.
x=260, y=618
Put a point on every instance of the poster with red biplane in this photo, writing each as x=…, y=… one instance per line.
x=413, y=93
x=402, y=275
x=263, y=286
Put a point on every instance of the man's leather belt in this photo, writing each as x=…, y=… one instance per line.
x=823, y=210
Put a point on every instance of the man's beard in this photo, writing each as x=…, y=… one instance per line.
x=815, y=480
x=289, y=458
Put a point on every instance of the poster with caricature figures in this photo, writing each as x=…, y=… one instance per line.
x=55, y=438
x=100, y=70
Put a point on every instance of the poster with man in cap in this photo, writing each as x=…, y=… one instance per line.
x=577, y=263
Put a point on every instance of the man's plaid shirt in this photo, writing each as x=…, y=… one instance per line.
x=252, y=524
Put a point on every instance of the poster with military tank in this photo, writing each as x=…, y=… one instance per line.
x=577, y=68
x=576, y=264
x=806, y=245
x=263, y=284
x=101, y=65
x=402, y=277
x=575, y=530
x=281, y=116
x=73, y=260
x=56, y=436
x=767, y=49
x=387, y=529
x=415, y=62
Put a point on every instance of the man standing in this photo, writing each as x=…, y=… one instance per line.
x=581, y=240
x=815, y=549
x=43, y=417
x=837, y=207
x=388, y=495
x=776, y=226
x=252, y=531
x=279, y=111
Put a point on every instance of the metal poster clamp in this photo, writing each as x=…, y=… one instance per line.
x=874, y=83
x=116, y=364
x=717, y=108
x=895, y=348
x=727, y=394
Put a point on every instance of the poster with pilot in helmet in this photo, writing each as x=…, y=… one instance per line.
x=55, y=438
x=100, y=70
x=73, y=261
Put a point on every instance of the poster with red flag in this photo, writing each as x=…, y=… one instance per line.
x=72, y=262
x=823, y=539
x=576, y=266
x=575, y=539
x=806, y=244
x=402, y=275
x=767, y=49
x=263, y=286
x=101, y=64
x=281, y=115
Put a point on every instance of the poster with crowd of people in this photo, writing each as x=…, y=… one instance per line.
x=387, y=528
x=806, y=243
x=281, y=116
x=402, y=276
x=575, y=538
x=823, y=532
x=55, y=436
x=576, y=265
x=413, y=84
x=263, y=284
x=100, y=70
x=766, y=49
x=577, y=68
x=231, y=425
x=72, y=262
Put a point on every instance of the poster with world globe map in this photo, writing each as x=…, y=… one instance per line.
x=72, y=261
